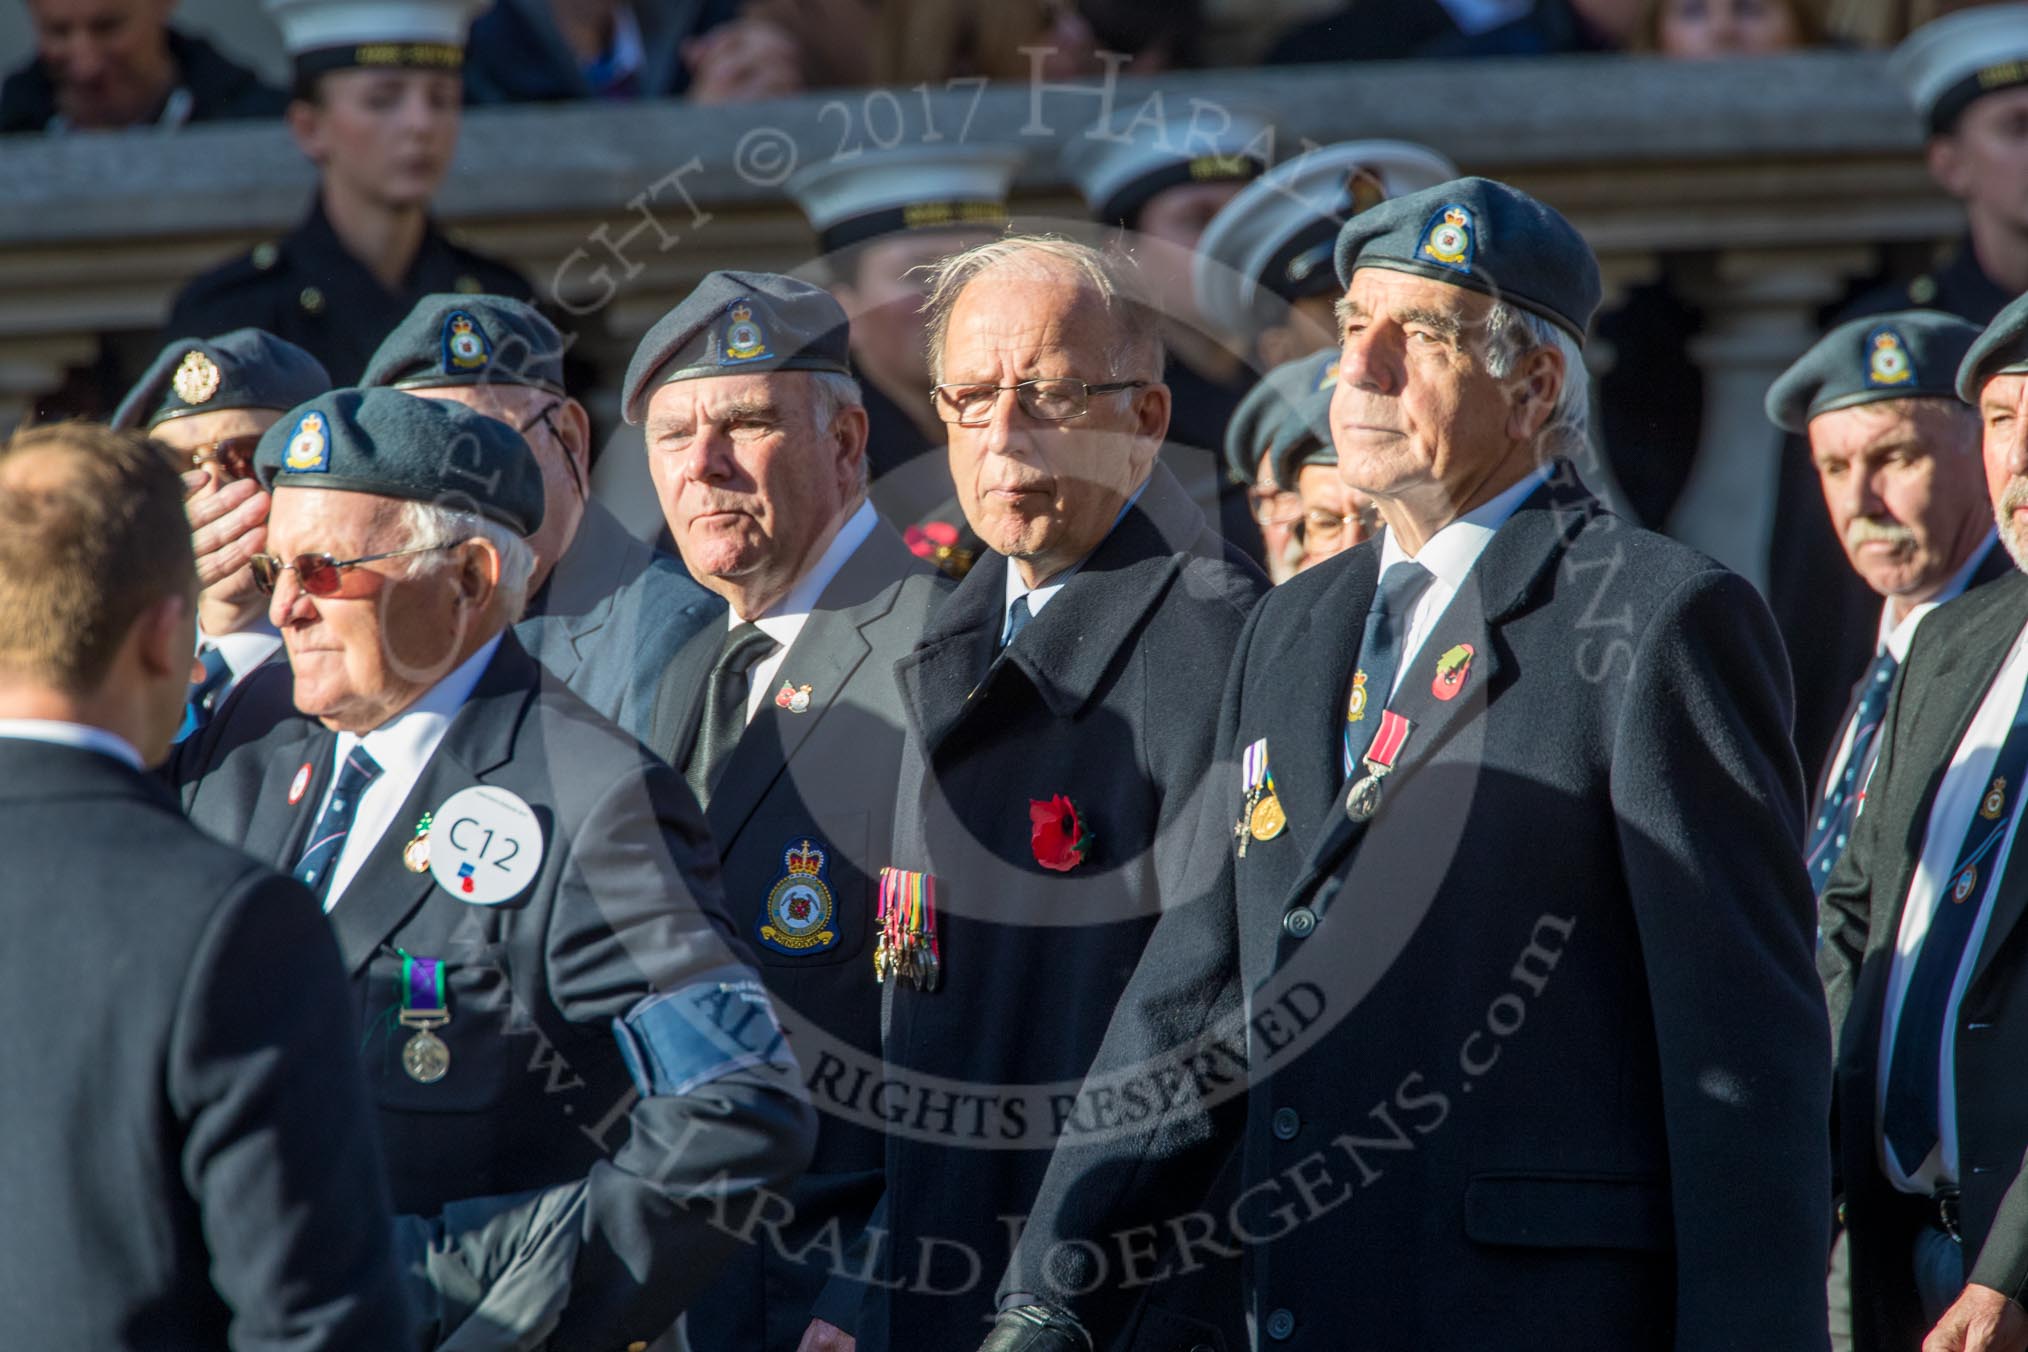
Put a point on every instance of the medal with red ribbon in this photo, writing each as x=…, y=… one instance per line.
x=1364, y=799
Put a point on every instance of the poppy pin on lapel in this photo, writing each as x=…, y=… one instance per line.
x=1451, y=670
x=794, y=698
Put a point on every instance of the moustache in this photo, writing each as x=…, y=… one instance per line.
x=1865, y=530
x=2012, y=500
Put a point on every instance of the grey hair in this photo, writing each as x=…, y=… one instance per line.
x=831, y=394
x=417, y=524
x=1110, y=275
x=1511, y=334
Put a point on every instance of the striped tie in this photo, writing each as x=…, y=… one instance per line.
x=320, y=860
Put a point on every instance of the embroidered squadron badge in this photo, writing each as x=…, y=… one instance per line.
x=744, y=339
x=196, y=378
x=1995, y=801
x=466, y=347
x=1447, y=239
x=800, y=919
x=309, y=447
x=1887, y=360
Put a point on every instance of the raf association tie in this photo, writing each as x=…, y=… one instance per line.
x=327, y=838
x=207, y=694
x=725, y=699
x=1018, y=616
x=1832, y=825
x=1380, y=653
x=1909, y=1117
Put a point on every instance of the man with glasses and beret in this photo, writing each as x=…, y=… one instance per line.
x=1508, y=933
x=1276, y=506
x=785, y=718
x=605, y=611
x=548, y=992
x=1336, y=516
x=210, y=399
x=1061, y=708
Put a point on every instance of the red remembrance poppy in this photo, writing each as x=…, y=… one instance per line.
x=1057, y=833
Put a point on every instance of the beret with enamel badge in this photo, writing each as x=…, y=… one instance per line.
x=2002, y=350
x=453, y=339
x=1906, y=354
x=739, y=323
x=394, y=445
x=1256, y=423
x=247, y=368
x=1481, y=235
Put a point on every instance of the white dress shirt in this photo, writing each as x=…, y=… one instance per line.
x=784, y=620
x=402, y=746
x=243, y=651
x=83, y=736
x=1449, y=556
x=1965, y=783
x=1895, y=638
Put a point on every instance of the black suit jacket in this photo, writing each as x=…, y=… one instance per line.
x=220, y=89
x=823, y=777
x=1108, y=697
x=625, y=904
x=1534, y=1060
x=190, y=1161
x=1956, y=655
x=612, y=614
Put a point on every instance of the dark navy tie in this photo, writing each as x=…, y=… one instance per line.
x=1380, y=652
x=725, y=699
x=207, y=694
x=320, y=860
x=1833, y=822
x=1018, y=616
x=1909, y=1115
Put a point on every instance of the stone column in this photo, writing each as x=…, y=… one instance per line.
x=1760, y=310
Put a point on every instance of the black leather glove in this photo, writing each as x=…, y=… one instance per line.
x=1036, y=1328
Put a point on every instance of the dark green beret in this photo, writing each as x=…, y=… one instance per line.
x=394, y=445
x=2002, y=350
x=735, y=323
x=1483, y=236
x=247, y=368
x=1303, y=436
x=452, y=339
x=1251, y=429
x=1908, y=354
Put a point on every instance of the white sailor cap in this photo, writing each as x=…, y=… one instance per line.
x=327, y=35
x=886, y=192
x=1273, y=243
x=1948, y=64
x=1120, y=165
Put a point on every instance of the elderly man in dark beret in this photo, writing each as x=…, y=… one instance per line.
x=605, y=611
x=547, y=987
x=1275, y=505
x=1897, y=453
x=1921, y=945
x=210, y=399
x=785, y=717
x=1512, y=963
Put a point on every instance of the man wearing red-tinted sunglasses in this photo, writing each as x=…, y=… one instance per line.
x=208, y=401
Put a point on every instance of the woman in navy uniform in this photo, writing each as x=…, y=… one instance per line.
x=376, y=106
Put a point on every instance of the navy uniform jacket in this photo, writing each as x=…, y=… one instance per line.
x=823, y=779
x=1957, y=653
x=1537, y=1060
x=611, y=615
x=189, y=1160
x=1109, y=697
x=219, y=88
x=625, y=904
x=307, y=288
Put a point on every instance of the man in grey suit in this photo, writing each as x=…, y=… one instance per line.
x=786, y=719
x=190, y=1162
x=605, y=611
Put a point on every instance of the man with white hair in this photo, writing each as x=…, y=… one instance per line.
x=1509, y=981
x=1921, y=956
x=549, y=995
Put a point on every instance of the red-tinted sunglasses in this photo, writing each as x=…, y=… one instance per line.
x=320, y=574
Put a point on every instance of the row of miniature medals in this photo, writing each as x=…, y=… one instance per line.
x=1261, y=816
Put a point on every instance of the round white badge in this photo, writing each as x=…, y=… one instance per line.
x=485, y=845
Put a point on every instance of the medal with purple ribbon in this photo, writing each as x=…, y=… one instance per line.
x=423, y=1008
x=1364, y=799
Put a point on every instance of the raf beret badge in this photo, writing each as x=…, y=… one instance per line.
x=1887, y=361
x=309, y=446
x=744, y=340
x=1448, y=238
x=465, y=344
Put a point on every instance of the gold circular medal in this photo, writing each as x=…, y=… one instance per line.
x=426, y=1058
x=416, y=854
x=1268, y=818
